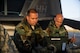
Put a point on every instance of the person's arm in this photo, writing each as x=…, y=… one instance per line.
x=20, y=39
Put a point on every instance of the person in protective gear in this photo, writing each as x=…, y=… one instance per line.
x=28, y=33
x=57, y=33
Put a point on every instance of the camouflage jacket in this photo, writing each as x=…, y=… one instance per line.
x=24, y=33
x=54, y=32
x=24, y=30
x=6, y=43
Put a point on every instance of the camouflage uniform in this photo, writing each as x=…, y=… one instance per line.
x=6, y=43
x=26, y=35
x=54, y=32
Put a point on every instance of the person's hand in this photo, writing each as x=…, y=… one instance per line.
x=73, y=40
x=27, y=44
